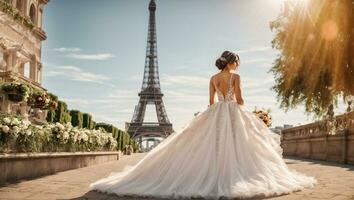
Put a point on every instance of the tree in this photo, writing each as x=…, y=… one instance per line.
x=315, y=64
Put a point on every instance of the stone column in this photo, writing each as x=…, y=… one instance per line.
x=39, y=73
x=5, y=103
x=21, y=69
x=33, y=70
x=39, y=17
x=14, y=3
x=11, y=59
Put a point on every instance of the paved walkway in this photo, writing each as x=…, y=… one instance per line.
x=335, y=182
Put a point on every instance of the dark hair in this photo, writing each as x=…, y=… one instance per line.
x=225, y=58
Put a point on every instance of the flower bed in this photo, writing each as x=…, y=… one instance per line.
x=16, y=92
x=20, y=135
x=20, y=92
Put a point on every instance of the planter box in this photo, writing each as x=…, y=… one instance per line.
x=18, y=166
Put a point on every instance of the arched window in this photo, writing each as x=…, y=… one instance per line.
x=33, y=14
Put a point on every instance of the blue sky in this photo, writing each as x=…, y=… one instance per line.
x=95, y=52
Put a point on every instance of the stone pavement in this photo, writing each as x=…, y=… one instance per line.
x=335, y=182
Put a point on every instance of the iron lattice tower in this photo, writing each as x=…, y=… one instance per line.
x=150, y=91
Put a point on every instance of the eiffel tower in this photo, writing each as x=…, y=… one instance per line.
x=150, y=92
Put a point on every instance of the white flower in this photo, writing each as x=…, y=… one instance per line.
x=26, y=123
x=60, y=126
x=40, y=132
x=5, y=129
x=7, y=120
x=28, y=132
x=84, y=137
x=15, y=129
x=24, y=127
x=66, y=135
x=15, y=121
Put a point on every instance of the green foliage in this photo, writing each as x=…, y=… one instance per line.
x=51, y=116
x=87, y=121
x=119, y=135
x=93, y=124
x=34, y=97
x=53, y=96
x=16, y=92
x=76, y=118
x=315, y=65
x=105, y=126
x=62, y=114
x=19, y=135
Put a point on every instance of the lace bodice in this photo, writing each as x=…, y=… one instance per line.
x=230, y=93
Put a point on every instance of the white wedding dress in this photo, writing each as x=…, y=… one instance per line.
x=225, y=151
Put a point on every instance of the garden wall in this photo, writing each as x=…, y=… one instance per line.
x=18, y=166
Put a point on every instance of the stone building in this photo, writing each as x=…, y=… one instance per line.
x=21, y=35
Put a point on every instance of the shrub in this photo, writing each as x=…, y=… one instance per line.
x=62, y=114
x=87, y=121
x=19, y=135
x=76, y=118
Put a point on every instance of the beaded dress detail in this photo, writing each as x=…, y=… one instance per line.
x=230, y=93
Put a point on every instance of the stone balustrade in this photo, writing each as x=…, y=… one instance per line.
x=313, y=141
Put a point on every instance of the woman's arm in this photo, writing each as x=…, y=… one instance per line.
x=237, y=88
x=211, y=91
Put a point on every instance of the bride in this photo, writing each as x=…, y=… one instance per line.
x=225, y=151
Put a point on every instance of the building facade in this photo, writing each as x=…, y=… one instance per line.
x=21, y=35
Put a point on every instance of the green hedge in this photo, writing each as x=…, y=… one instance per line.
x=60, y=114
x=51, y=116
x=122, y=137
x=76, y=118
x=87, y=121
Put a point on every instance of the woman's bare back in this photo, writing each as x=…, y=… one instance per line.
x=225, y=83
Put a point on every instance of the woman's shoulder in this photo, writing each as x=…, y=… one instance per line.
x=213, y=76
x=235, y=75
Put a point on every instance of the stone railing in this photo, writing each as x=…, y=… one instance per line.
x=313, y=141
x=10, y=76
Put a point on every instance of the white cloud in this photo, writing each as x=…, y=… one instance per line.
x=67, y=49
x=120, y=93
x=250, y=83
x=69, y=68
x=263, y=61
x=178, y=80
x=77, y=74
x=255, y=49
x=100, y=56
x=75, y=52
